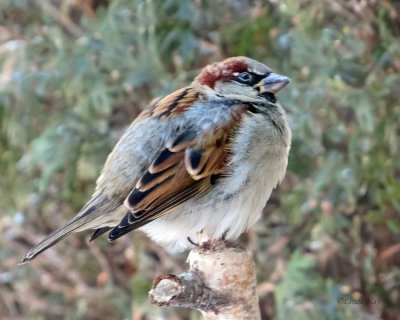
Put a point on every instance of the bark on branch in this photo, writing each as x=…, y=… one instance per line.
x=221, y=283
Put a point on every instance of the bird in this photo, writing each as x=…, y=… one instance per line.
x=203, y=159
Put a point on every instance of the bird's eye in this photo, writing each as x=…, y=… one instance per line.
x=244, y=76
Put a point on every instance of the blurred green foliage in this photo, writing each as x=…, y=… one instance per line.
x=74, y=74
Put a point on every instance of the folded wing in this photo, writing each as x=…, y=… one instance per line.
x=186, y=169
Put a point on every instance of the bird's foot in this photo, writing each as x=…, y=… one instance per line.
x=192, y=242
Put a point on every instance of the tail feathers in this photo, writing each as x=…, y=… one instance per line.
x=48, y=242
x=97, y=206
x=53, y=238
x=99, y=232
x=93, y=209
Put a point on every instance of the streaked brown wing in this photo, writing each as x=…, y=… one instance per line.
x=185, y=170
x=171, y=105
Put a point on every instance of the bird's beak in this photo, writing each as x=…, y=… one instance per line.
x=273, y=83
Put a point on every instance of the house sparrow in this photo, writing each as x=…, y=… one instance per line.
x=203, y=159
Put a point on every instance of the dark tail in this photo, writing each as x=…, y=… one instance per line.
x=51, y=240
x=87, y=214
x=99, y=232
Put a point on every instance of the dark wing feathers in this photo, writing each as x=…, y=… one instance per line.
x=184, y=140
x=134, y=220
x=186, y=169
x=98, y=232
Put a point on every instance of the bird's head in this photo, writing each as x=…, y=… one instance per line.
x=240, y=78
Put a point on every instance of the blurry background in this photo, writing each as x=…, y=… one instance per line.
x=75, y=73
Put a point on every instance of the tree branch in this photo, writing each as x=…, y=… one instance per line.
x=221, y=283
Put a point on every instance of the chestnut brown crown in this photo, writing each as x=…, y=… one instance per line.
x=240, y=78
